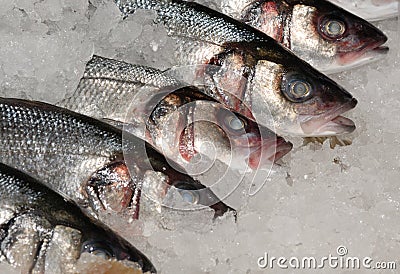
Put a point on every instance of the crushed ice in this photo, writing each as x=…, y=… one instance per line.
x=317, y=200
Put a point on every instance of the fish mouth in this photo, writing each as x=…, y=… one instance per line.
x=269, y=152
x=365, y=52
x=330, y=123
x=282, y=148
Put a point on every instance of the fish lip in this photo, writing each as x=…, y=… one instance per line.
x=338, y=125
x=282, y=148
x=381, y=49
x=366, y=51
x=377, y=45
x=329, y=123
x=271, y=151
x=350, y=61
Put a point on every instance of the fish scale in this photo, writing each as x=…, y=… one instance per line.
x=298, y=25
x=41, y=224
x=189, y=22
x=83, y=158
x=54, y=142
x=120, y=79
x=237, y=52
x=156, y=105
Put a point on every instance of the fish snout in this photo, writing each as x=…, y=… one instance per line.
x=371, y=37
x=364, y=41
x=282, y=148
x=330, y=123
x=269, y=151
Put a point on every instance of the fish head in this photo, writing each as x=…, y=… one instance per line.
x=206, y=127
x=249, y=141
x=195, y=193
x=107, y=245
x=332, y=38
x=297, y=98
x=318, y=103
x=112, y=188
x=192, y=192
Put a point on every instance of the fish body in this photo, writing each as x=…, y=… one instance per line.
x=323, y=34
x=283, y=92
x=179, y=119
x=42, y=232
x=371, y=10
x=108, y=87
x=89, y=161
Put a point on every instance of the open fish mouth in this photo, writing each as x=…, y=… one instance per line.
x=269, y=152
x=281, y=150
x=330, y=123
x=361, y=57
x=366, y=52
x=355, y=59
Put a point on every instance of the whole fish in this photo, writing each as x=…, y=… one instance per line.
x=371, y=10
x=180, y=119
x=93, y=163
x=323, y=34
x=249, y=70
x=42, y=232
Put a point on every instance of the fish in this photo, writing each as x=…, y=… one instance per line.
x=371, y=10
x=93, y=163
x=180, y=120
x=328, y=37
x=43, y=232
x=246, y=69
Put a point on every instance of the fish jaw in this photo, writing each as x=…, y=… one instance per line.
x=359, y=42
x=329, y=123
x=299, y=27
x=246, y=148
x=353, y=60
x=348, y=60
x=366, y=43
x=204, y=127
x=269, y=153
x=111, y=188
x=272, y=102
x=263, y=147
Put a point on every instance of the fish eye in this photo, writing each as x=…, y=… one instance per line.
x=231, y=121
x=188, y=192
x=189, y=196
x=101, y=253
x=97, y=249
x=297, y=89
x=333, y=28
x=234, y=122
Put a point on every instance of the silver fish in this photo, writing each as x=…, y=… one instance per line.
x=251, y=71
x=91, y=162
x=42, y=232
x=180, y=119
x=323, y=34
